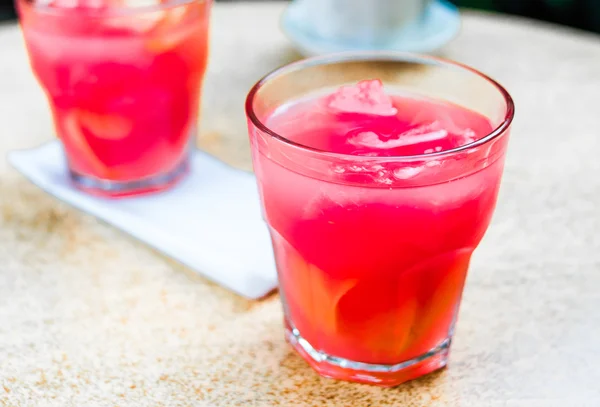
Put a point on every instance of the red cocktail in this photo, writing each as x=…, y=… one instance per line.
x=376, y=197
x=123, y=81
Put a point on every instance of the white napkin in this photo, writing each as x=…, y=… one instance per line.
x=211, y=221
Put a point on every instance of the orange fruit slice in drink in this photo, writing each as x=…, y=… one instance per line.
x=441, y=282
x=176, y=26
x=311, y=295
x=374, y=319
x=76, y=144
x=104, y=126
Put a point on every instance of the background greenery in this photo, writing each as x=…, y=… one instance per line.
x=584, y=14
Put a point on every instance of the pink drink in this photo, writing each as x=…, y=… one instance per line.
x=123, y=84
x=373, y=242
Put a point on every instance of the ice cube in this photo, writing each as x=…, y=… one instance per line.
x=62, y=3
x=366, y=97
x=421, y=134
x=146, y=21
x=98, y=4
x=455, y=124
x=126, y=3
x=407, y=172
x=468, y=136
x=140, y=24
x=140, y=3
x=95, y=3
x=166, y=33
x=437, y=149
x=366, y=171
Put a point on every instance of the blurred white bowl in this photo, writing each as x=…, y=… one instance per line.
x=435, y=26
x=366, y=22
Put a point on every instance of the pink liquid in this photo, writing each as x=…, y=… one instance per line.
x=372, y=268
x=123, y=90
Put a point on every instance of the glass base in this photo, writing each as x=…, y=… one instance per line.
x=113, y=189
x=381, y=375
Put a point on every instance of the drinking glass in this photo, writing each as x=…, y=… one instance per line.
x=372, y=252
x=123, y=83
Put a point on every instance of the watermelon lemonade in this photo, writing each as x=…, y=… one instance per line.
x=376, y=197
x=123, y=80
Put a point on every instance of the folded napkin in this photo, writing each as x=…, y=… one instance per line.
x=211, y=221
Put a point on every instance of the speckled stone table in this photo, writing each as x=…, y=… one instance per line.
x=90, y=317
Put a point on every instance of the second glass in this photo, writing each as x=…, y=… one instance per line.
x=123, y=83
x=376, y=195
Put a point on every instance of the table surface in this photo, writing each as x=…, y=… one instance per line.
x=90, y=317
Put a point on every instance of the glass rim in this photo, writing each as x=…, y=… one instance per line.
x=358, y=56
x=116, y=11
